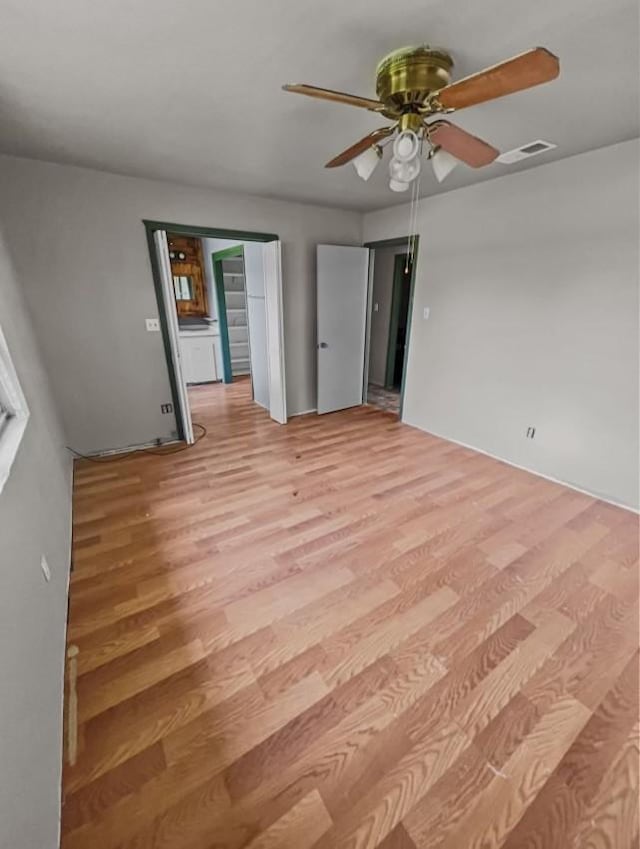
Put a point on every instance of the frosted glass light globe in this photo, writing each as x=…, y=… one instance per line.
x=406, y=146
x=404, y=172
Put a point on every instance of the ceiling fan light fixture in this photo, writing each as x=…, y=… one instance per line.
x=404, y=172
x=367, y=162
x=413, y=84
x=442, y=163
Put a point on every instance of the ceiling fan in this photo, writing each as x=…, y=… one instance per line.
x=413, y=85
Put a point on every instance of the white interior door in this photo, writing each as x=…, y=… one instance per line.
x=183, y=413
x=275, y=330
x=257, y=321
x=342, y=282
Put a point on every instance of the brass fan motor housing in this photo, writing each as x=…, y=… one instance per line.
x=407, y=78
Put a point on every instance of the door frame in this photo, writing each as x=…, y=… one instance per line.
x=217, y=259
x=151, y=226
x=406, y=242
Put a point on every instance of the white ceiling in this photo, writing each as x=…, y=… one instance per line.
x=191, y=91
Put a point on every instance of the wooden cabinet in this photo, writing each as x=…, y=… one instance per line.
x=187, y=268
x=198, y=352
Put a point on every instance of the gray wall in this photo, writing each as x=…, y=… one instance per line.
x=80, y=248
x=532, y=281
x=35, y=519
x=382, y=295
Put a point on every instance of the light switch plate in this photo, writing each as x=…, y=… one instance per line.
x=152, y=324
x=425, y=313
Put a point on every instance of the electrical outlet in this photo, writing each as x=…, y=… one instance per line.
x=152, y=324
x=375, y=307
x=46, y=571
x=531, y=432
x=166, y=408
x=425, y=313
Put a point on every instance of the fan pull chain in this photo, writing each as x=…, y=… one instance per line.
x=413, y=219
x=410, y=233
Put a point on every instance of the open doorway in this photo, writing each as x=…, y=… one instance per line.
x=220, y=305
x=231, y=289
x=391, y=286
x=219, y=343
x=238, y=281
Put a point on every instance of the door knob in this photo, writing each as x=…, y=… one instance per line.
x=323, y=345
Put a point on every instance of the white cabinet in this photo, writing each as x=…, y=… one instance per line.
x=198, y=352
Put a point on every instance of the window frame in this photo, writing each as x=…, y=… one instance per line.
x=14, y=404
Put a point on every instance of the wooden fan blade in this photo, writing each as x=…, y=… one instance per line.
x=359, y=147
x=335, y=96
x=462, y=145
x=524, y=71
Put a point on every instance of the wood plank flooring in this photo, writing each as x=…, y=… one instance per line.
x=346, y=634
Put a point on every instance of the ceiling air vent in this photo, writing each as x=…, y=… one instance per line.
x=524, y=152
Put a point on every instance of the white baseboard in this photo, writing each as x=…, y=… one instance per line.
x=569, y=485
x=303, y=413
x=128, y=448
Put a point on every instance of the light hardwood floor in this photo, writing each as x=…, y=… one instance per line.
x=347, y=633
